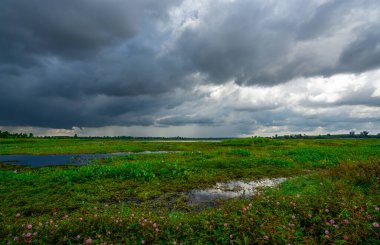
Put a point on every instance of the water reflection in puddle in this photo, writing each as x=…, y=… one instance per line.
x=231, y=189
x=65, y=159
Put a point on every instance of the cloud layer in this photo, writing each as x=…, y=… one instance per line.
x=238, y=66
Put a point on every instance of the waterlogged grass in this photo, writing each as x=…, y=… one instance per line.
x=78, y=146
x=332, y=194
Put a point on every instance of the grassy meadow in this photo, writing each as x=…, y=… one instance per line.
x=332, y=194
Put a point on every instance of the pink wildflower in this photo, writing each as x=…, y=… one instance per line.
x=345, y=237
x=78, y=236
x=154, y=225
x=18, y=215
x=142, y=241
x=231, y=237
x=28, y=234
x=377, y=208
x=327, y=232
x=15, y=238
x=376, y=225
x=225, y=224
x=89, y=241
x=346, y=222
x=29, y=226
x=266, y=238
x=327, y=210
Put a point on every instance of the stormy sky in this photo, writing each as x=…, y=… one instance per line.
x=193, y=68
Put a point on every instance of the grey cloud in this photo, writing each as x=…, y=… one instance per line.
x=360, y=96
x=186, y=119
x=332, y=120
x=363, y=53
x=325, y=19
x=95, y=63
x=258, y=107
x=256, y=42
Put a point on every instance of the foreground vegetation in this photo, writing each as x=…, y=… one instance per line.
x=332, y=195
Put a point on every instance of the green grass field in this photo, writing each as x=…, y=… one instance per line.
x=332, y=194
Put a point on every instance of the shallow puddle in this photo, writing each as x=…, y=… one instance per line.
x=65, y=159
x=231, y=189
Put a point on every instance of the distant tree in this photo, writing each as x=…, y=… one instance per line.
x=352, y=133
x=75, y=136
x=6, y=134
x=364, y=133
x=31, y=135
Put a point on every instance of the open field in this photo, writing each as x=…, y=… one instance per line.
x=332, y=193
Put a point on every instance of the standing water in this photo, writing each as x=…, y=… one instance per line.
x=64, y=159
x=231, y=189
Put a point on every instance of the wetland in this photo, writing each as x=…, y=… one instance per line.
x=235, y=191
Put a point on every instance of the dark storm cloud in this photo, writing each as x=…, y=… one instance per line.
x=95, y=63
x=62, y=63
x=88, y=111
x=260, y=42
x=70, y=29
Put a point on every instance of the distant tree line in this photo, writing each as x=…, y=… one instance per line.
x=6, y=134
x=352, y=134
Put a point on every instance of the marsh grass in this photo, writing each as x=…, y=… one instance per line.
x=332, y=196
